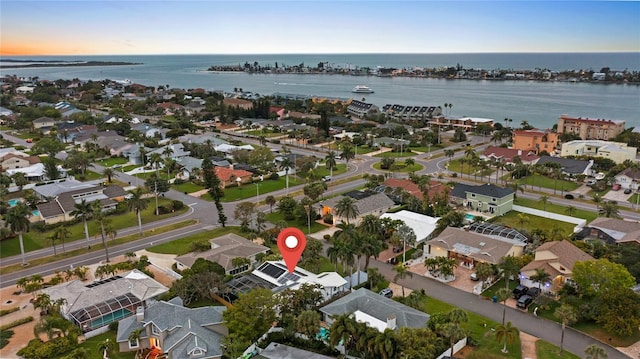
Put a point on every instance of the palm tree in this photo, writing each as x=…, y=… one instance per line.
x=156, y=160
x=594, y=351
x=567, y=316
x=609, y=209
x=83, y=210
x=384, y=345
x=100, y=216
x=348, y=153
x=540, y=276
x=515, y=186
x=287, y=165
x=401, y=273
x=522, y=220
x=330, y=162
x=342, y=329
x=17, y=220
x=449, y=153
x=138, y=204
x=143, y=155
x=105, y=347
x=506, y=333
x=503, y=294
x=347, y=208
x=109, y=173
x=544, y=200
x=452, y=332
x=135, y=335
x=570, y=210
x=271, y=201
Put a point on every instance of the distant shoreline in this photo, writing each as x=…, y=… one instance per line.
x=21, y=64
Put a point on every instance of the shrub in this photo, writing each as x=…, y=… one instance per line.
x=276, y=141
x=36, y=349
x=113, y=326
x=15, y=323
x=179, y=181
x=177, y=205
x=416, y=254
x=5, y=335
x=454, y=175
x=8, y=311
x=328, y=218
x=274, y=176
x=327, y=237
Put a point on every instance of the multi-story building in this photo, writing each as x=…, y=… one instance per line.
x=618, y=152
x=362, y=109
x=410, y=113
x=589, y=128
x=466, y=123
x=535, y=141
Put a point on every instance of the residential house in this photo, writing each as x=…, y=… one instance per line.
x=148, y=130
x=377, y=311
x=487, y=198
x=275, y=276
x=365, y=203
x=589, y=128
x=629, y=178
x=223, y=251
x=43, y=122
x=172, y=331
x=611, y=231
x=232, y=177
x=281, y=351
x=390, y=142
x=59, y=205
x=93, y=306
x=434, y=188
x=618, y=152
x=472, y=248
x=557, y=259
x=188, y=165
x=68, y=131
x=507, y=155
x=535, y=141
x=17, y=159
x=569, y=166
x=194, y=107
x=5, y=112
x=423, y=226
x=362, y=109
x=169, y=108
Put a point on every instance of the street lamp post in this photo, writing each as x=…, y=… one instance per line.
x=257, y=193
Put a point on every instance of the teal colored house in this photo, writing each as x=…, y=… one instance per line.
x=486, y=198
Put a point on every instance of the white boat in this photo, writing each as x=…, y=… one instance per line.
x=124, y=82
x=362, y=89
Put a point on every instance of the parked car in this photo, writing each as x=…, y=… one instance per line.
x=519, y=291
x=569, y=196
x=524, y=301
x=616, y=187
x=627, y=191
x=392, y=260
x=534, y=292
x=397, y=250
x=474, y=276
x=591, y=182
x=326, y=178
x=387, y=292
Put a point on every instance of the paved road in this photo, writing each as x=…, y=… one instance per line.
x=574, y=341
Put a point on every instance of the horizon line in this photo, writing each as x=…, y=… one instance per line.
x=335, y=53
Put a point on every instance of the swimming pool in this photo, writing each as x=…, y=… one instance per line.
x=14, y=201
x=109, y=318
x=35, y=213
x=469, y=217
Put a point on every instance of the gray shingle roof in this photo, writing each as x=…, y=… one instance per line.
x=377, y=306
x=280, y=351
x=378, y=201
x=491, y=190
x=568, y=165
x=228, y=247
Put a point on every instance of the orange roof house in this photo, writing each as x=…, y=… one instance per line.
x=230, y=176
x=435, y=187
x=535, y=141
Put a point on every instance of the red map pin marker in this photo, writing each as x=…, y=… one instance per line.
x=291, y=242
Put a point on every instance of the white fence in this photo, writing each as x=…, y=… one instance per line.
x=456, y=348
x=579, y=222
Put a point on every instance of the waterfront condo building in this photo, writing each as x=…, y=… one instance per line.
x=589, y=128
x=618, y=152
x=535, y=141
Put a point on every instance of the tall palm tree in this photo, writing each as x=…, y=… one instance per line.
x=570, y=210
x=330, y=162
x=544, y=200
x=401, y=273
x=503, y=294
x=609, y=209
x=594, y=351
x=522, y=220
x=347, y=208
x=83, y=210
x=384, y=345
x=342, y=329
x=17, y=220
x=506, y=333
x=109, y=173
x=136, y=334
x=143, y=155
x=567, y=316
x=287, y=165
x=101, y=217
x=452, y=332
x=138, y=204
x=156, y=160
x=348, y=153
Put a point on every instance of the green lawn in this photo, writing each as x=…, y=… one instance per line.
x=395, y=154
x=425, y=149
x=400, y=167
x=188, y=187
x=129, y=168
x=555, y=208
x=92, y=345
x=90, y=175
x=34, y=239
x=266, y=134
x=634, y=199
x=248, y=190
x=511, y=220
x=491, y=291
x=112, y=161
x=456, y=167
x=594, y=330
x=548, y=182
x=479, y=328
x=362, y=150
x=546, y=350
x=322, y=170
x=275, y=217
x=182, y=245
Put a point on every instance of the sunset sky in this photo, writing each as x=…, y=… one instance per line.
x=223, y=27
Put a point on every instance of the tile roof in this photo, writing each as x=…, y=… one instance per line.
x=483, y=248
x=225, y=174
x=377, y=306
x=490, y=190
x=225, y=249
x=619, y=229
x=566, y=254
x=435, y=187
x=507, y=154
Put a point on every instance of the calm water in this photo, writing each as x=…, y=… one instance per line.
x=537, y=102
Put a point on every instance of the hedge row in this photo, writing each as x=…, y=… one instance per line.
x=8, y=311
x=15, y=323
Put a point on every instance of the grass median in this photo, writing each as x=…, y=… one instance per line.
x=97, y=247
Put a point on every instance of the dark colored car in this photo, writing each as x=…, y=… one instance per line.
x=627, y=191
x=533, y=292
x=524, y=301
x=569, y=196
x=397, y=250
x=519, y=291
x=392, y=260
x=387, y=292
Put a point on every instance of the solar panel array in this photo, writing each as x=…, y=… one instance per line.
x=271, y=270
x=95, y=284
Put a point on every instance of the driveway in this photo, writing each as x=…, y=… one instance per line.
x=618, y=196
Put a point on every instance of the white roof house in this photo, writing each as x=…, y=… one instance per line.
x=423, y=226
x=227, y=148
x=476, y=119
